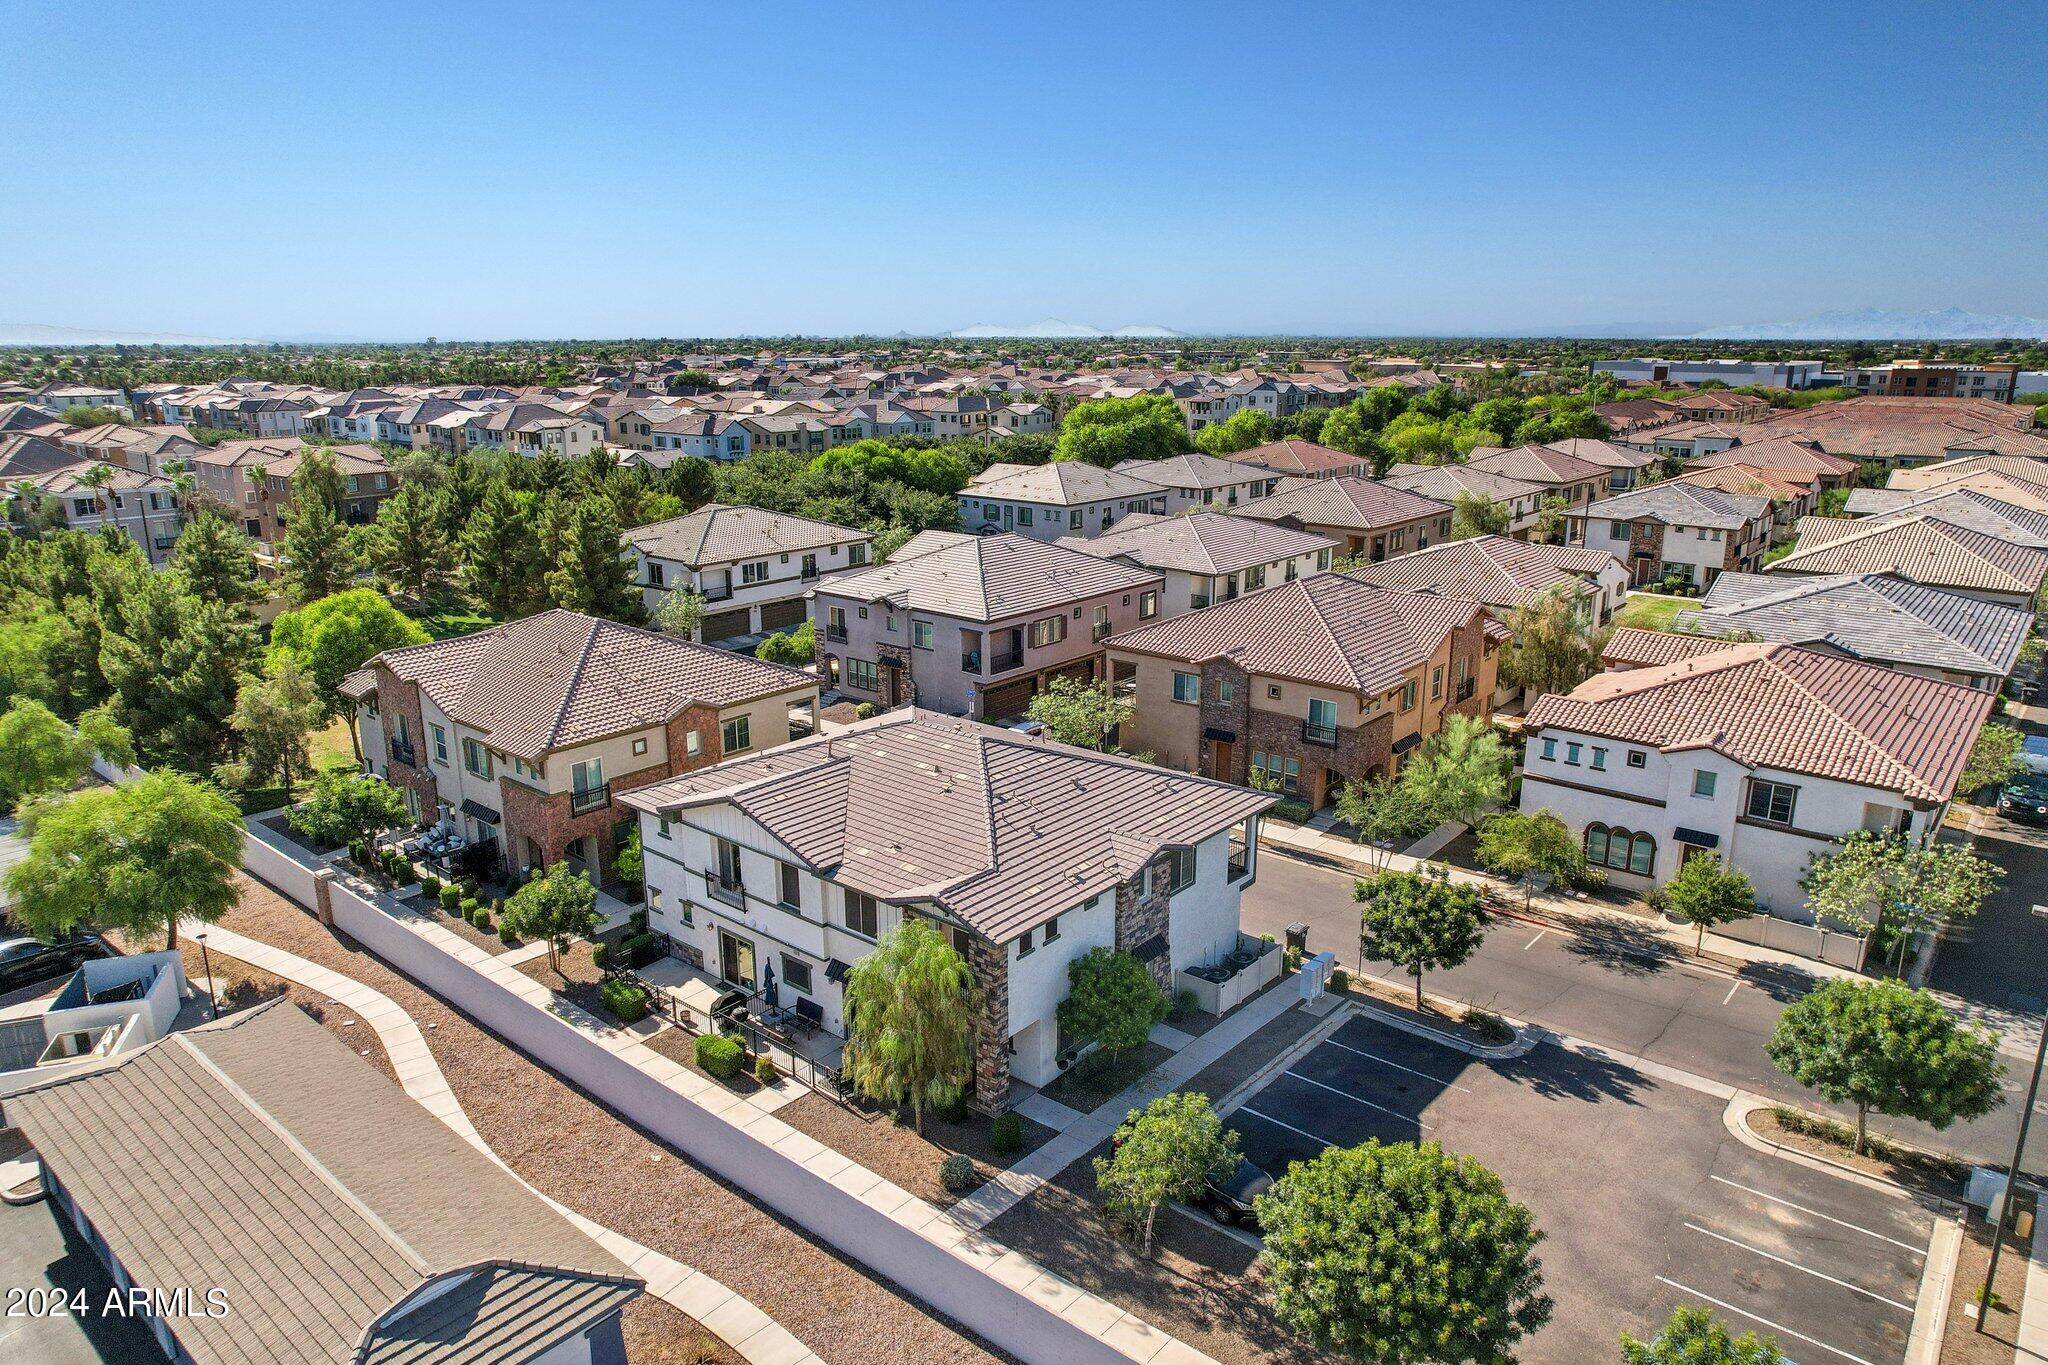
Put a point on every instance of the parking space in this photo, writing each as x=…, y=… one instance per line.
x=1645, y=1198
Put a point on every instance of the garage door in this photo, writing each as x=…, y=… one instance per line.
x=783, y=615
x=1081, y=670
x=726, y=624
x=1007, y=700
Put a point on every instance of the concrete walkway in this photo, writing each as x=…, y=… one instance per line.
x=732, y=1319
x=2033, y=1342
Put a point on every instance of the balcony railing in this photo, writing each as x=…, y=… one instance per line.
x=584, y=800
x=403, y=752
x=718, y=594
x=1324, y=735
x=1002, y=663
x=1465, y=689
x=836, y=634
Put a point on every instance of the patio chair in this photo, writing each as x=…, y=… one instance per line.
x=808, y=1016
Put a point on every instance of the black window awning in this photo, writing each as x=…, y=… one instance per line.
x=1152, y=947
x=1698, y=838
x=1220, y=736
x=1407, y=742
x=480, y=811
x=837, y=971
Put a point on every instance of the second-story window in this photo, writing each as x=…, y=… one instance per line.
x=835, y=623
x=756, y=572
x=440, y=743
x=1183, y=863
x=653, y=574
x=1772, y=802
x=921, y=634
x=861, y=913
x=1187, y=687
x=736, y=735
x=1049, y=630
x=730, y=877
x=1099, y=629
x=1148, y=605
x=476, y=758
x=788, y=886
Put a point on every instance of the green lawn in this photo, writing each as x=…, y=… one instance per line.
x=445, y=617
x=330, y=748
x=1652, y=610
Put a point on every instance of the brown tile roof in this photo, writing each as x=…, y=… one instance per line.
x=1746, y=480
x=1496, y=570
x=719, y=534
x=1202, y=543
x=1348, y=502
x=315, y=1192
x=1925, y=550
x=1780, y=706
x=1636, y=648
x=1330, y=629
x=1540, y=464
x=547, y=681
x=1002, y=829
x=1300, y=457
x=1776, y=453
x=985, y=578
x=1905, y=428
x=1606, y=454
x=1445, y=481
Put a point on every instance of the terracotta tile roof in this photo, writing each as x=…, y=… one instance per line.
x=1349, y=502
x=1202, y=542
x=1776, y=453
x=1063, y=483
x=1330, y=629
x=1867, y=616
x=1540, y=464
x=1004, y=830
x=1681, y=504
x=718, y=534
x=1606, y=454
x=1496, y=570
x=1783, y=707
x=1925, y=550
x=985, y=578
x=1193, y=470
x=1631, y=647
x=547, y=681
x=1906, y=428
x=1444, y=482
x=1300, y=457
x=1747, y=481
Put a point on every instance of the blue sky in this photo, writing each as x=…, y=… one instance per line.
x=668, y=169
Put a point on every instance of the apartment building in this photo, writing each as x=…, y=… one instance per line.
x=1202, y=481
x=519, y=738
x=1677, y=532
x=974, y=625
x=1934, y=379
x=752, y=567
x=1207, y=557
x=1770, y=374
x=367, y=479
x=1563, y=476
x=1446, y=483
x=91, y=495
x=1366, y=518
x=1051, y=501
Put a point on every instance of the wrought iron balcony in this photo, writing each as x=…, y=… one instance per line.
x=403, y=752
x=1324, y=735
x=584, y=800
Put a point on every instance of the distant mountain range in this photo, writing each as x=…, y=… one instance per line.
x=1877, y=324
x=1052, y=329
x=49, y=334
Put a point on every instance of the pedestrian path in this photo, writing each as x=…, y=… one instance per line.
x=2033, y=1335
x=721, y=1311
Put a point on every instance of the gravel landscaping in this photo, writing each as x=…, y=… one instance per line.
x=680, y=1045
x=487, y=940
x=1099, y=1078
x=657, y=1333
x=580, y=1153
x=576, y=979
x=893, y=1149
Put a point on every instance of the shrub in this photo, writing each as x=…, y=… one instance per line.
x=764, y=1069
x=601, y=955
x=719, y=1057
x=1489, y=1025
x=1340, y=981
x=469, y=887
x=1185, y=1004
x=1294, y=812
x=956, y=1173
x=405, y=873
x=1006, y=1133
x=638, y=919
x=467, y=908
x=481, y=918
x=637, y=950
x=864, y=710
x=451, y=896
x=506, y=936
x=356, y=851
x=430, y=887
x=624, y=999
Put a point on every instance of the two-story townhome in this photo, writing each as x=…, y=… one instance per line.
x=1784, y=456
x=1368, y=519
x=787, y=869
x=706, y=435
x=1624, y=464
x=144, y=507
x=1051, y=501
x=231, y=477
x=1761, y=755
x=1208, y=557
x=1448, y=482
x=1303, y=460
x=974, y=625
x=1878, y=618
x=1790, y=500
x=367, y=478
x=1505, y=574
x=1677, y=531
x=1684, y=440
x=1196, y=480
x=1315, y=683
x=751, y=566
x=520, y=737
x=1565, y=477
x=144, y=449
x=1921, y=548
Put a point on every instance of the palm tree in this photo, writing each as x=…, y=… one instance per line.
x=25, y=500
x=96, y=476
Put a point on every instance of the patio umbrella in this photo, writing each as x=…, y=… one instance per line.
x=768, y=992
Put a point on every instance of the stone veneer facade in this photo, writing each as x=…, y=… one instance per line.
x=1142, y=915
x=990, y=964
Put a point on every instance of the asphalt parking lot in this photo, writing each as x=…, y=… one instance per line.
x=1646, y=1200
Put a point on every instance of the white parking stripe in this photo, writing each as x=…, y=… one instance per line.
x=1346, y=1047
x=1816, y=1213
x=1321, y=1141
x=1534, y=941
x=1731, y=992
x=1775, y=1327
x=1804, y=1270
x=1346, y=1094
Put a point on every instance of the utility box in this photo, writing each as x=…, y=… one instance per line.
x=1315, y=976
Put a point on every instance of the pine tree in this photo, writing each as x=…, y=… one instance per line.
x=500, y=556
x=217, y=561
x=318, y=561
x=592, y=572
x=408, y=547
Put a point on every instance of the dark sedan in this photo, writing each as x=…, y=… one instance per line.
x=2026, y=799
x=30, y=961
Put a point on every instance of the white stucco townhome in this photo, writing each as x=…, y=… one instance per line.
x=788, y=866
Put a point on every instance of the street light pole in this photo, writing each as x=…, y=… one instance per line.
x=212, y=1000
x=2012, y=1172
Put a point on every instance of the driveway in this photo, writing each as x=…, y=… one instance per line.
x=40, y=1251
x=1645, y=1199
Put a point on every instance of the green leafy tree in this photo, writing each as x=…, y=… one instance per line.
x=1475, y=515
x=793, y=647
x=1555, y=645
x=1417, y=922
x=1383, y=811
x=912, y=1005
x=631, y=860
x=333, y=637
x=1706, y=894
x=501, y=561
x=106, y=736
x=173, y=663
x=216, y=561
x=1112, y=1001
x=1994, y=758
x=1883, y=1046
x=1106, y=431
x=90, y=415
x=318, y=557
x=1396, y=1253
x=1240, y=431
x=39, y=753
x=1459, y=772
x=345, y=806
x=559, y=905
x=408, y=544
x=273, y=716
x=1080, y=713
x=1520, y=844
x=138, y=857
x=681, y=613
x=1164, y=1151
x=1694, y=1336
x=1550, y=521
x=592, y=573
x=1886, y=879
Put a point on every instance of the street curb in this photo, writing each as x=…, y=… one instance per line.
x=1736, y=1117
x=1937, y=1287
x=1527, y=1036
x=1301, y=1047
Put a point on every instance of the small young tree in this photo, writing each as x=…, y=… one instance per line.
x=273, y=716
x=138, y=857
x=681, y=613
x=1080, y=713
x=1164, y=1151
x=1885, y=879
x=793, y=647
x=1459, y=772
x=1994, y=758
x=1519, y=844
x=911, y=1004
x=1694, y=1336
x=631, y=860
x=1419, y=923
x=1556, y=645
x=1383, y=812
x=1112, y=1001
x=1550, y=522
x=1704, y=894
x=1395, y=1252
x=1882, y=1045
x=346, y=806
x=559, y=905
x=1474, y=514
x=39, y=753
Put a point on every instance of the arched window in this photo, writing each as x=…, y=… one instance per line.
x=1642, y=855
x=1621, y=850
x=1596, y=845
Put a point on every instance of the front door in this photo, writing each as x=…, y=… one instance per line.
x=735, y=960
x=1222, y=754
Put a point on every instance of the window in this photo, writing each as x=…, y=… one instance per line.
x=1638, y=759
x=1621, y=850
x=662, y=827
x=639, y=746
x=1074, y=520
x=788, y=883
x=756, y=572
x=1025, y=947
x=1703, y=783
x=1148, y=605
x=653, y=574
x=1187, y=687
x=1322, y=561
x=1599, y=760
x=1285, y=771
x=730, y=883
x=1048, y=630
x=1099, y=627
x=476, y=758
x=1550, y=749
x=1052, y=929
x=856, y=555
x=796, y=974
x=1322, y=721
x=920, y=635
x=1617, y=530
x=835, y=623
x=1436, y=682
x=861, y=673
x=1025, y=515
x=1272, y=691
x=1226, y=692
x=1183, y=863
x=1772, y=802
x=1408, y=692
x=861, y=913
x=693, y=743
x=587, y=776
x=736, y=735
x=1255, y=578
x=1571, y=753
x=440, y=743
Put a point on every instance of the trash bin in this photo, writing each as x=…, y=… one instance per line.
x=1297, y=938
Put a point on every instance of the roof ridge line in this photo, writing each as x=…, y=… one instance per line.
x=1770, y=657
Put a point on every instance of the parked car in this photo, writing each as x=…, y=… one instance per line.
x=1229, y=1196
x=2026, y=798
x=30, y=961
x=2034, y=754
